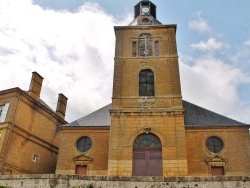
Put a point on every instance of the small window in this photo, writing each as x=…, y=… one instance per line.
x=8, y=171
x=81, y=169
x=146, y=83
x=3, y=112
x=214, y=144
x=157, y=48
x=145, y=21
x=217, y=170
x=1, y=109
x=84, y=144
x=35, y=158
x=134, y=44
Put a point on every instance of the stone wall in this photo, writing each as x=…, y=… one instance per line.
x=96, y=158
x=75, y=181
x=28, y=143
x=200, y=159
x=131, y=111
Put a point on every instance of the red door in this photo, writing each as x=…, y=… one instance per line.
x=81, y=170
x=147, y=162
x=217, y=171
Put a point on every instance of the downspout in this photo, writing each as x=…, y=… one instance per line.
x=11, y=130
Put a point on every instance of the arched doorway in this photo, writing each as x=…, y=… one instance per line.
x=147, y=156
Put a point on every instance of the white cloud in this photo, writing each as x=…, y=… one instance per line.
x=199, y=24
x=213, y=84
x=241, y=56
x=73, y=52
x=210, y=45
x=247, y=43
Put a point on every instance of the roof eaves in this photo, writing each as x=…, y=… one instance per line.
x=215, y=126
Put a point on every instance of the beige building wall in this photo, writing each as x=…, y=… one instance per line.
x=165, y=67
x=169, y=128
x=28, y=142
x=96, y=159
x=234, y=155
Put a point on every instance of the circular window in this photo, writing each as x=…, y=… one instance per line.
x=214, y=144
x=84, y=144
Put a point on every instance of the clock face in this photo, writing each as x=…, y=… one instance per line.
x=145, y=9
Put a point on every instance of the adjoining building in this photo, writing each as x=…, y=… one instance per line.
x=148, y=130
x=28, y=130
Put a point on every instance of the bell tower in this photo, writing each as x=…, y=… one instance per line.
x=146, y=102
x=145, y=14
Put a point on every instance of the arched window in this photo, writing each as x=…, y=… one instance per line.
x=146, y=83
x=145, y=45
x=157, y=48
x=134, y=49
x=147, y=141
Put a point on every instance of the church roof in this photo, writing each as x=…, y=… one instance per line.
x=194, y=116
x=198, y=116
x=98, y=118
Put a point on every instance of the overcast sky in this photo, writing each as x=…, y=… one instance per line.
x=71, y=44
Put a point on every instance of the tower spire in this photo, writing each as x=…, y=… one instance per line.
x=145, y=14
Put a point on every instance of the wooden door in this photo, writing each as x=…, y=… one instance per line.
x=81, y=170
x=139, y=163
x=217, y=171
x=155, y=163
x=147, y=162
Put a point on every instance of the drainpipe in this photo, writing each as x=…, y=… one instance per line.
x=11, y=130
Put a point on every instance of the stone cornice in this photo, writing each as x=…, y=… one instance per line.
x=147, y=112
x=99, y=128
x=146, y=27
x=199, y=127
x=143, y=60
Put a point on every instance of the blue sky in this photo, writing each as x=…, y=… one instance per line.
x=52, y=37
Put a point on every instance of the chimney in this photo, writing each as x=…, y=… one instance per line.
x=35, y=85
x=61, y=105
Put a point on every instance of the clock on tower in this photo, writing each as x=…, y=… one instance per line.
x=145, y=14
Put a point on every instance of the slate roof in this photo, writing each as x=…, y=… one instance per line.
x=99, y=118
x=194, y=116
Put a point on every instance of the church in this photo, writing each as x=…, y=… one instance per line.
x=148, y=129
